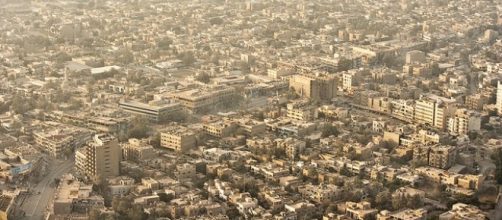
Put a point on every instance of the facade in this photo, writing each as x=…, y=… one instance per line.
x=100, y=159
x=220, y=128
x=442, y=156
x=155, y=111
x=60, y=142
x=301, y=110
x=462, y=211
x=73, y=197
x=205, y=99
x=178, y=138
x=314, y=87
x=138, y=151
x=433, y=111
x=463, y=122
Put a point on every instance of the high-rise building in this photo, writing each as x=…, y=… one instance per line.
x=100, y=159
x=434, y=110
x=317, y=87
x=499, y=98
x=463, y=122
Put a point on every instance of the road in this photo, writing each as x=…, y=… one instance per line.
x=36, y=204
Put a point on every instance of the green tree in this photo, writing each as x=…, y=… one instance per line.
x=203, y=77
x=329, y=129
x=140, y=128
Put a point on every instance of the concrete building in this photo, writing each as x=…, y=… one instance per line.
x=316, y=87
x=407, y=214
x=301, y=110
x=220, y=129
x=155, y=111
x=205, y=99
x=463, y=122
x=100, y=159
x=74, y=197
x=415, y=56
x=178, y=138
x=360, y=211
x=137, y=151
x=434, y=110
x=442, y=156
x=462, y=211
x=61, y=141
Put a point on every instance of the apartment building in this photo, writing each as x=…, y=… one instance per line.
x=463, y=122
x=316, y=87
x=205, y=99
x=137, y=151
x=100, y=159
x=178, y=138
x=155, y=111
x=433, y=110
x=301, y=110
x=59, y=140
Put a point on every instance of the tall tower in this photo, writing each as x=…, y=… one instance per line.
x=101, y=158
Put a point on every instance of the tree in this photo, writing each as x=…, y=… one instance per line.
x=329, y=130
x=140, y=128
x=203, y=77
x=344, y=64
x=383, y=200
x=188, y=58
x=164, y=43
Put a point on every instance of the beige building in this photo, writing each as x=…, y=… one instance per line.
x=73, y=197
x=138, y=151
x=61, y=141
x=463, y=122
x=100, y=159
x=434, y=110
x=220, y=129
x=462, y=211
x=205, y=99
x=155, y=110
x=317, y=87
x=301, y=110
x=407, y=214
x=178, y=138
x=360, y=211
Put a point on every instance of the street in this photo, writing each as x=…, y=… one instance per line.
x=35, y=204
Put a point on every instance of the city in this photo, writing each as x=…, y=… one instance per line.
x=251, y=109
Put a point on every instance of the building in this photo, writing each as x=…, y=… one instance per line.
x=407, y=214
x=220, y=129
x=499, y=97
x=178, y=138
x=403, y=109
x=59, y=140
x=137, y=151
x=316, y=87
x=74, y=197
x=463, y=122
x=438, y=156
x=206, y=99
x=155, y=111
x=360, y=211
x=100, y=159
x=433, y=111
x=462, y=211
x=301, y=110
